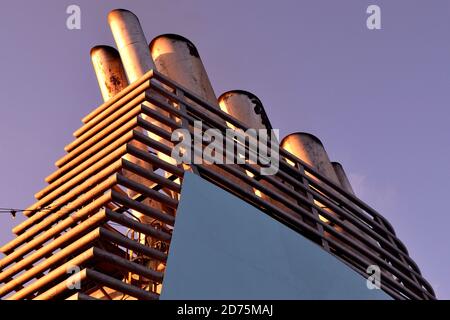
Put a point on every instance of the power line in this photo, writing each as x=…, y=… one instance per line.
x=14, y=211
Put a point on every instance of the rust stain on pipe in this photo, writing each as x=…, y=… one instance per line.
x=109, y=70
x=246, y=107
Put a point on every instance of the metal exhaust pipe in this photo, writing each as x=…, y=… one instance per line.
x=342, y=176
x=346, y=185
x=131, y=43
x=109, y=70
x=133, y=48
x=134, y=52
x=136, y=59
x=310, y=149
x=177, y=58
x=246, y=107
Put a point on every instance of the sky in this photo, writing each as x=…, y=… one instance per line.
x=378, y=99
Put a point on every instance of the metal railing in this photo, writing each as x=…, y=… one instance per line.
x=367, y=239
x=86, y=194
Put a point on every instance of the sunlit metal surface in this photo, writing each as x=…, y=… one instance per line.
x=84, y=217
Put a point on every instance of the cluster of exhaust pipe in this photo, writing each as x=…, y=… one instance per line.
x=177, y=58
x=110, y=207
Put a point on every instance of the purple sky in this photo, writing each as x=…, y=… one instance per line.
x=378, y=100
